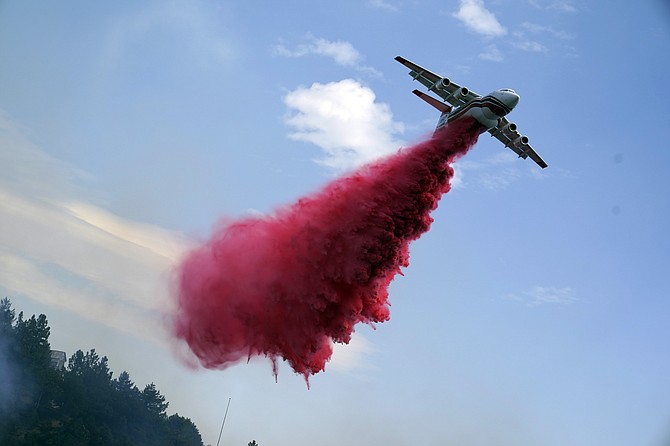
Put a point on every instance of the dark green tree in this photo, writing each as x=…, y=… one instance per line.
x=9, y=372
x=36, y=385
x=124, y=385
x=154, y=401
x=182, y=432
x=81, y=405
x=32, y=349
x=7, y=316
x=88, y=396
x=90, y=366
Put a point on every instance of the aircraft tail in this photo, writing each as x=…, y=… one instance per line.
x=441, y=106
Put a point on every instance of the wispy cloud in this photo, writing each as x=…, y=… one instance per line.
x=382, y=4
x=563, y=6
x=344, y=119
x=200, y=34
x=531, y=46
x=499, y=179
x=547, y=30
x=491, y=53
x=29, y=171
x=477, y=18
x=59, y=249
x=540, y=295
x=537, y=31
x=341, y=52
x=555, y=5
x=495, y=173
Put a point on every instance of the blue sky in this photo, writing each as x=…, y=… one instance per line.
x=535, y=310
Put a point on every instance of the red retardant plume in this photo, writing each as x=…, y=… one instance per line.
x=289, y=284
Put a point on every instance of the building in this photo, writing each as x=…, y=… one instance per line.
x=58, y=359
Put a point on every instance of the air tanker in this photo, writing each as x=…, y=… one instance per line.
x=489, y=111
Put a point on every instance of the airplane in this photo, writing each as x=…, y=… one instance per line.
x=489, y=110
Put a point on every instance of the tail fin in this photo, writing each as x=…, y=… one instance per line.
x=441, y=106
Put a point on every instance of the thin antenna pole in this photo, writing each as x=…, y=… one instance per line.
x=224, y=422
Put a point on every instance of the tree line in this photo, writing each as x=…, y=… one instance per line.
x=79, y=405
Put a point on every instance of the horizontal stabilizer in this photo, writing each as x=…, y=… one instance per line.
x=441, y=106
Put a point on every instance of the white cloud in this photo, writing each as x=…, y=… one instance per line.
x=540, y=295
x=477, y=18
x=351, y=356
x=62, y=251
x=154, y=239
x=343, y=119
x=38, y=281
x=457, y=180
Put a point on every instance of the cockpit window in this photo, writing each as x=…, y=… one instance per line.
x=508, y=90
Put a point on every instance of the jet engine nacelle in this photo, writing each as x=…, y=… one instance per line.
x=462, y=92
x=442, y=84
x=520, y=141
x=509, y=128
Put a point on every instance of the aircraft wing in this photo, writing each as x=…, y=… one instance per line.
x=507, y=133
x=452, y=93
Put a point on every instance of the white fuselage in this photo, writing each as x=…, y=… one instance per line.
x=487, y=110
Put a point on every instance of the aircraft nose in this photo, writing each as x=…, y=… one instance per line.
x=510, y=99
